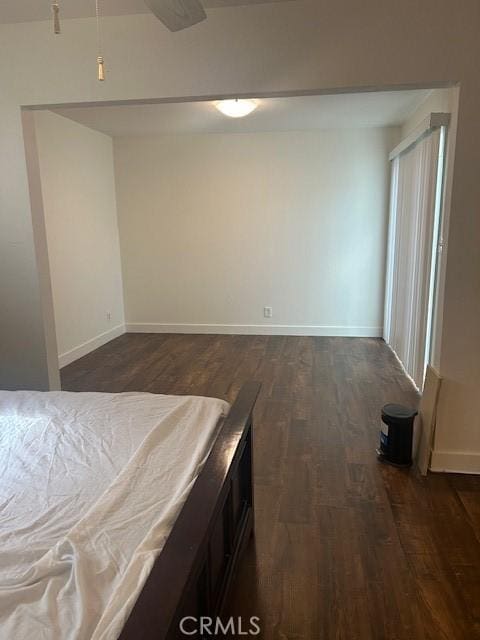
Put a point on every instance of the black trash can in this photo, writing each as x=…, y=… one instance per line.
x=396, y=435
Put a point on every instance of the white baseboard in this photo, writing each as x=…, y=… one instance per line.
x=256, y=329
x=90, y=345
x=455, y=462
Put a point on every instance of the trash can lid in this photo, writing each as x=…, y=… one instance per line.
x=398, y=412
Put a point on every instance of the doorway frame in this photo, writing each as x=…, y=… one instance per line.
x=35, y=187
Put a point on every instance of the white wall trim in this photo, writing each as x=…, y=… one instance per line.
x=455, y=462
x=256, y=329
x=90, y=345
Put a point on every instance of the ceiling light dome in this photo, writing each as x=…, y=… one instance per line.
x=236, y=108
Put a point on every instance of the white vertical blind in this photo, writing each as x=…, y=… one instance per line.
x=410, y=253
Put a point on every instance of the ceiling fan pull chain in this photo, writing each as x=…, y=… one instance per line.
x=56, y=17
x=100, y=61
x=101, y=68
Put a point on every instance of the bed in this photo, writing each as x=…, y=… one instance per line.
x=120, y=514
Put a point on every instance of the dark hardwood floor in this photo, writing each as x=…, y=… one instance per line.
x=345, y=547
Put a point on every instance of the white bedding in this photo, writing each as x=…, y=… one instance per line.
x=90, y=485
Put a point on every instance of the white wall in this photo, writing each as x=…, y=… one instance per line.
x=78, y=188
x=254, y=50
x=215, y=227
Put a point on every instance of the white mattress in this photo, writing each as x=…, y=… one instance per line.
x=90, y=485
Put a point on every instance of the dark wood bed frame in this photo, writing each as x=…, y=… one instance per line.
x=192, y=574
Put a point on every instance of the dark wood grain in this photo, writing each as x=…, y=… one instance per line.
x=345, y=548
x=197, y=545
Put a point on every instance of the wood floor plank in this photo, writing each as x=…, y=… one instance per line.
x=345, y=548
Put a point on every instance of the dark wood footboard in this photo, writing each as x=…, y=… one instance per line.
x=192, y=574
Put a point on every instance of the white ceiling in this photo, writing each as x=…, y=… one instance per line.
x=273, y=114
x=28, y=10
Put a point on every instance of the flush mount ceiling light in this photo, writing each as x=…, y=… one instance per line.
x=236, y=108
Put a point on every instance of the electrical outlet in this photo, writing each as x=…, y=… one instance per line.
x=109, y=316
x=267, y=312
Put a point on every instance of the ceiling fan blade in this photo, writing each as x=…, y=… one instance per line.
x=217, y=4
x=177, y=14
